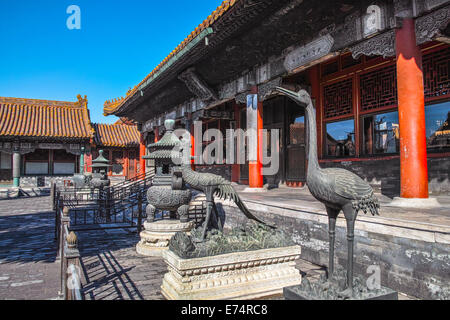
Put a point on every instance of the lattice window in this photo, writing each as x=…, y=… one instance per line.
x=436, y=68
x=378, y=89
x=338, y=99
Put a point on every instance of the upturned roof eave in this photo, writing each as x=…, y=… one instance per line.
x=127, y=104
x=118, y=106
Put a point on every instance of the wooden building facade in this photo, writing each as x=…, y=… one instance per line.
x=44, y=141
x=120, y=143
x=378, y=73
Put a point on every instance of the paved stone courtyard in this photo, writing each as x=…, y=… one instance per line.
x=111, y=268
x=113, y=271
x=29, y=268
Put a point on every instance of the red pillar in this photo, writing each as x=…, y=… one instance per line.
x=126, y=164
x=411, y=105
x=142, y=154
x=88, y=162
x=192, y=132
x=156, y=134
x=255, y=167
x=235, y=168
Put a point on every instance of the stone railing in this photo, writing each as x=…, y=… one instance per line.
x=69, y=257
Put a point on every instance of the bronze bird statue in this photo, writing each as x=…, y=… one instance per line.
x=337, y=189
x=213, y=185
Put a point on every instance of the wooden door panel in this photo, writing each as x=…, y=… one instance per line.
x=296, y=164
x=279, y=177
x=296, y=147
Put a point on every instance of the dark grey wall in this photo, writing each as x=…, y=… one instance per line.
x=384, y=175
x=418, y=268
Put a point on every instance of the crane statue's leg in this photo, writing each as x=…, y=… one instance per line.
x=209, y=192
x=332, y=216
x=350, y=216
x=217, y=216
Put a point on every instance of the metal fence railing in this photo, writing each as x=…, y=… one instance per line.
x=121, y=206
x=84, y=209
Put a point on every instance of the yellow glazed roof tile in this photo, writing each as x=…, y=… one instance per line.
x=44, y=118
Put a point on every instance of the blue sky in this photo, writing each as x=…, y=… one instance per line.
x=119, y=43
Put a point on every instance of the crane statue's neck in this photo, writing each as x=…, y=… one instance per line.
x=313, y=161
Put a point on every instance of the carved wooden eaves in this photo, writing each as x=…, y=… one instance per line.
x=197, y=85
x=380, y=45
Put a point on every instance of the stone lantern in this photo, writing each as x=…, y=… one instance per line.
x=168, y=194
x=100, y=172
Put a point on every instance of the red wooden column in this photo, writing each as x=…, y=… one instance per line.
x=156, y=134
x=411, y=105
x=126, y=164
x=255, y=167
x=192, y=132
x=236, y=168
x=142, y=154
x=88, y=162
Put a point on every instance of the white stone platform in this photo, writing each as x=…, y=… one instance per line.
x=234, y=276
x=429, y=203
x=156, y=236
x=26, y=192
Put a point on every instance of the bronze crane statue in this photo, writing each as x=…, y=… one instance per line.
x=213, y=185
x=337, y=189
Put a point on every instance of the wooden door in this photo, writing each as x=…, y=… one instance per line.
x=117, y=161
x=244, y=168
x=295, y=143
x=273, y=118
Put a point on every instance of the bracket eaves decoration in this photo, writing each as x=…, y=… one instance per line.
x=265, y=90
x=241, y=98
x=380, y=45
x=429, y=27
x=197, y=85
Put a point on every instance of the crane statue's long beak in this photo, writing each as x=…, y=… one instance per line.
x=291, y=94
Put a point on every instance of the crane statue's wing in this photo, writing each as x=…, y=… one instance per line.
x=226, y=191
x=350, y=186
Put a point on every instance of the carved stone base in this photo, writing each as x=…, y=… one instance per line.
x=335, y=288
x=429, y=203
x=155, y=238
x=295, y=293
x=234, y=276
x=255, y=190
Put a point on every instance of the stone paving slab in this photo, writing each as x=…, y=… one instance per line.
x=111, y=268
x=28, y=265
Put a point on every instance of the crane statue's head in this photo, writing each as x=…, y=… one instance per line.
x=301, y=97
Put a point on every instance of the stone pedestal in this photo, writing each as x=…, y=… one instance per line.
x=155, y=238
x=427, y=203
x=234, y=276
x=296, y=293
x=335, y=289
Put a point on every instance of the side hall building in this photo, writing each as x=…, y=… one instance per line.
x=44, y=141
